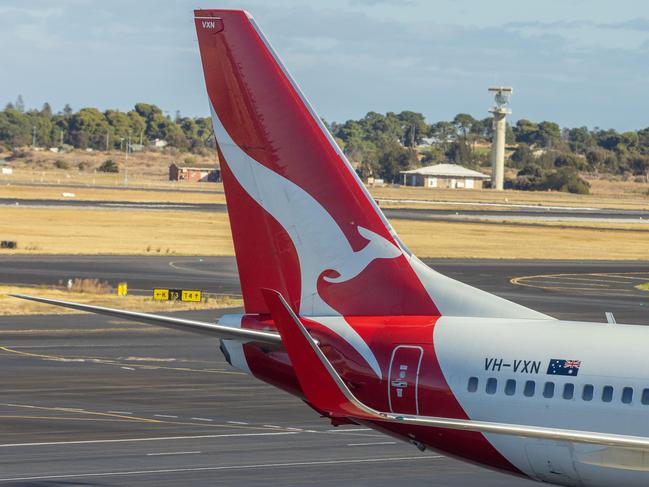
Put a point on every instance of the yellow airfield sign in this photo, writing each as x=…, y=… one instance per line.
x=190, y=295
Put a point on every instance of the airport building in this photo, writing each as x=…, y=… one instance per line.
x=179, y=171
x=450, y=176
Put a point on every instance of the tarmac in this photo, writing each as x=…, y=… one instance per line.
x=477, y=212
x=90, y=400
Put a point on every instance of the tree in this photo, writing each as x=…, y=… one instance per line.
x=88, y=128
x=459, y=152
x=108, y=166
x=640, y=166
x=444, y=132
x=67, y=110
x=482, y=129
x=549, y=135
x=137, y=124
x=20, y=104
x=15, y=129
x=643, y=140
x=608, y=139
x=120, y=127
x=526, y=132
x=46, y=111
x=567, y=159
x=394, y=158
x=522, y=156
x=463, y=123
x=413, y=127
x=580, y=139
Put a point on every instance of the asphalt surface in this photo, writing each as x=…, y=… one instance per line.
x=475, y=213
x=89, y=400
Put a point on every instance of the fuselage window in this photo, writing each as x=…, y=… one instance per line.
x=510, y=387
x=607, y=394
x=492, y=385
x=548, y=390
x=645, y=397
x=587, y=394
x=530, y=385
x=627, y=395
x=568, y=391
x=473, y=384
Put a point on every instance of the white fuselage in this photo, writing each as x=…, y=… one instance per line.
x=498, y=371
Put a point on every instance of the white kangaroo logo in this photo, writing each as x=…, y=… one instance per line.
x=320, y=243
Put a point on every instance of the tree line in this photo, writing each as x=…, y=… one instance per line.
x=94, y=129
x=544, y=155
x=382, y=145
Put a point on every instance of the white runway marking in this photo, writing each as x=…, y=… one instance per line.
x=348, y=430
x=128, y=368
x=225, y=467
x=202, y=419
x=236, y=422
x=165, y=416
x=373, y=444
x=119, y=412
x=172, y=453
x=134, y=440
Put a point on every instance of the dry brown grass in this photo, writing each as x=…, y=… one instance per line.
x=210, y=193
x=89, y=286
x=480, y=241
x=63, y=231
x=632, y=199
x=15, y=306
x=80, y=231
x=148, y=169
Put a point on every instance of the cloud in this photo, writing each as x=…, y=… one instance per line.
x=638, y=24
x=350, y=56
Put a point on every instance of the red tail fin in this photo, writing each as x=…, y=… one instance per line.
x=301, y=220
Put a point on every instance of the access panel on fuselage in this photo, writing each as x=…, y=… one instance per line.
x=403, y=381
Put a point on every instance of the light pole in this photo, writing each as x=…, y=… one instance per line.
x=128, y=148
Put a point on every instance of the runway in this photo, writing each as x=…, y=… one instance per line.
x=484, y=213
x=89, y=400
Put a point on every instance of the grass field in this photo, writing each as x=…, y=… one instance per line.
x=607, y=198
x=14, y=306
x=146, y=169
x=82, y=231
x=73, y=231
x=211, y=193
x=611, y=195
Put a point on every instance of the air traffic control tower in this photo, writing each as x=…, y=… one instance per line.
x=500, y=111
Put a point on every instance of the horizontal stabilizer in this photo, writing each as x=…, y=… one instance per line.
x=192, y=326
x=326, y=391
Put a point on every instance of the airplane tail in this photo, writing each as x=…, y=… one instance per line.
x=302, y=222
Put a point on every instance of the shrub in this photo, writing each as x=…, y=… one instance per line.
x=108, y=166
x=534, y=178
x=83, y=166
x=190, y=160
x=90, y=286
x=61, y=164
x=18, y=153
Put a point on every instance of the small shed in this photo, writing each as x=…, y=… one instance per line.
x=179, y=171
x=444, y=176
x=5, y=168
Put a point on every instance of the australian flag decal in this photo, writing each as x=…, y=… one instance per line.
x=564, y=367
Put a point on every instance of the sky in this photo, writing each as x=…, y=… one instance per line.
x=576, y=62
